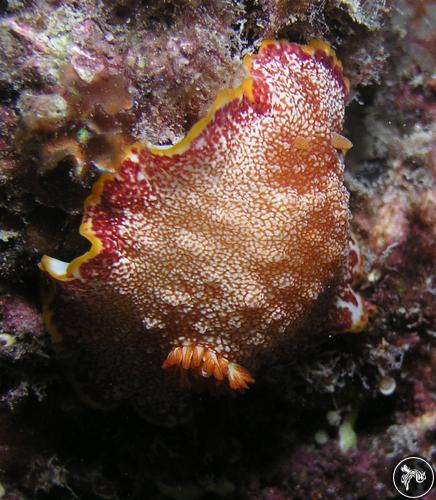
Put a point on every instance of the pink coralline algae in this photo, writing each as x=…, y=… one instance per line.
x=214, y=256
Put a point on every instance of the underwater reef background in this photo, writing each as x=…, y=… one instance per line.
x=81, y=80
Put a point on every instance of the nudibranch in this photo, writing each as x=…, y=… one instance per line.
x=210, y=257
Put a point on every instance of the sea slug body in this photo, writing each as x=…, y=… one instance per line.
x=212, y=256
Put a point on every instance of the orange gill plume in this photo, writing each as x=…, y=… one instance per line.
x=204, y=362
